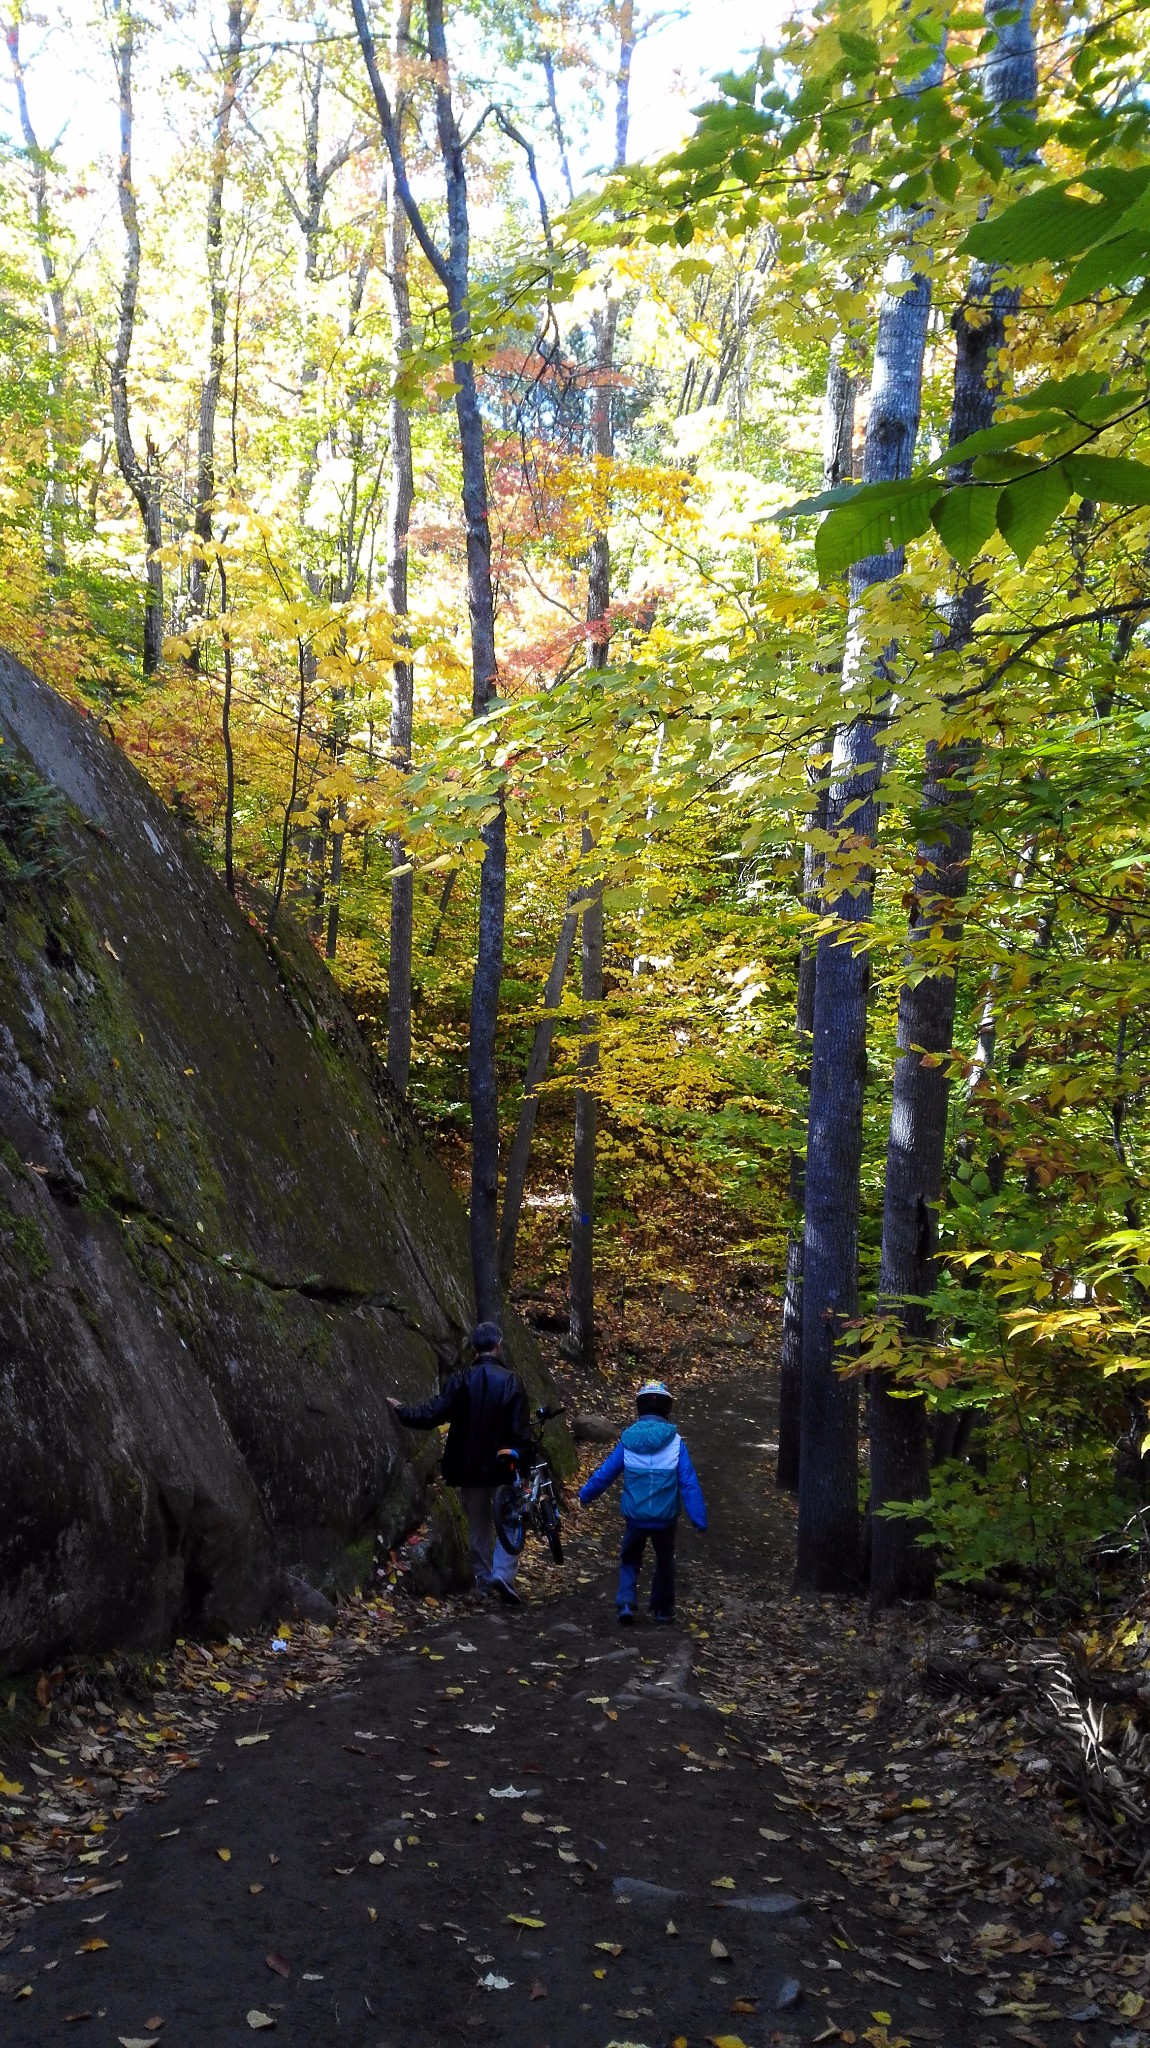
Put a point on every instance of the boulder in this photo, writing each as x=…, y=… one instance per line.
x=222, y=1243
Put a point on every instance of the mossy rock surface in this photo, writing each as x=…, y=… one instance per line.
x=222, y=1244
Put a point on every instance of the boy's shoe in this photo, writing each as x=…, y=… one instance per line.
x=664, y=1620
x=626, y=1617
x=506, y=1592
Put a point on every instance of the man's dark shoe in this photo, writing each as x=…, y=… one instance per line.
x=626, y=1617
x=664, y=1620
x=507, y=1593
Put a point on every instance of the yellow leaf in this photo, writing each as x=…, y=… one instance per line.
x=600, y=1973
x=225, y=1855
x=610, y=1948
x=726, y=2041
x=525, y=1920
x=723, y=1884
x=9, y=1787
x=89, y=1947
x=1131, y=2004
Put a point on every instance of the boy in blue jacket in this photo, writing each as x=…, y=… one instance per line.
x=657, y=1474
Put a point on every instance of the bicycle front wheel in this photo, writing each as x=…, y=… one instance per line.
x=510, y=1521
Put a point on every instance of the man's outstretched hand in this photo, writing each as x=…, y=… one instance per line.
x=393, y=1404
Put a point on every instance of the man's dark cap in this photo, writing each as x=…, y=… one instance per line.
x=487, y=1337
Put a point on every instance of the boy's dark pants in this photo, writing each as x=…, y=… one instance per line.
x=635, y=1536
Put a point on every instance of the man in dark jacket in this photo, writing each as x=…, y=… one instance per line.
x=486, y=1411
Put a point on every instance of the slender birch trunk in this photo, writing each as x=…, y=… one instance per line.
x=142, y=478
x=239, y=17
x=401, y=498
x=828, y=1548
x=901, y=1566
x=56, y=313
x=581, y=1330
x=838, y=467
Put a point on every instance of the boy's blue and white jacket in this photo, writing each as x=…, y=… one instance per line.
x=657, y=1475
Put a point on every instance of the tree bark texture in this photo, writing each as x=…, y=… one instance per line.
x=828, y=1547
x=515, y=1177
x=57, y=318
x=901, y=1566
x=838, y=466
x=142, y=479
x=238, y=18
x=400, y=500
x=581, y=1329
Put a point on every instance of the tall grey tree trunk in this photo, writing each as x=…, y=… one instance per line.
x=901, y=1566
x=400, y=502
x=238, y=18
x=828, y=1549
x=838, y=467
x=142, y=479
x=57, y=318
x=581, y=1329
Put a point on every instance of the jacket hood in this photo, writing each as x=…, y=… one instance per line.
x=649, y=1433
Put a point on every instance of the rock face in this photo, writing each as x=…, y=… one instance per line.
x=221, y=1244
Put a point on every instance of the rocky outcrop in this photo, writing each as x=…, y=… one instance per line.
x=221, y=1242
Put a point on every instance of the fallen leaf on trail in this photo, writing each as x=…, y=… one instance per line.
x=537, y=1990
x=599, y=1700
x=597, y=1973
x=723, y=1884
x=493, y=1983
x=254, y=1889
x=477, y=1728
x=89, y=1947
x=720, y=1954
x=743, y=2005
x=168, y=1835
x=729, y=2040
x=278, y=1963
x=610, y=1948
x=154, y=2025
x=10, y=1788
x=377, y=1856
x=507, y=1792
x=912, y=1962
x=525, y=1920
x=245, y=1741
x=534, y=1820
x=257, y=2019
x=610, y=1713
x=125, y=2040
x=225, y=1855
x=773, y=1835
x=671, y=1927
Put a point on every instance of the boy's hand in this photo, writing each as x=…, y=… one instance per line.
x=393, y=1404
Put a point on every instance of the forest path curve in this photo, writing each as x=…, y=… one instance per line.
x=534, y=1799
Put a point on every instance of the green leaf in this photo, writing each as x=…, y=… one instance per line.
x=965, y=519
x=878, y=517
x=1045, y=226
x=1004, y=434
x=946, y=177
x=1109, y=266
x=1028, y=509
x=1113, y=479
x=823, y=502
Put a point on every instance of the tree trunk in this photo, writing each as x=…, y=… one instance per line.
x=828, y=1550
x=238, y=18
x=398, y=526
x=57, y=318
x=515, y=1178
x=838, y=467
x=142, y=480
x=581, y=1329
x=901, y=1566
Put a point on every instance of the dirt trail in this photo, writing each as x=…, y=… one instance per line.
x=533, y=1802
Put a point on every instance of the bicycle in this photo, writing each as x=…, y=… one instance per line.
x=521, y=1504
